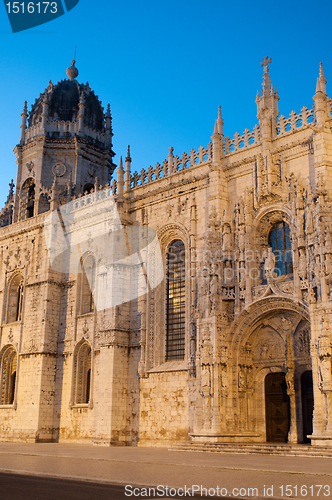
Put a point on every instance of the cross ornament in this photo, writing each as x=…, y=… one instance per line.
x=266, y=61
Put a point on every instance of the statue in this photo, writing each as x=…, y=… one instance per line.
x=213, y=291
x=302, y=270
x=228, y=273
x=270, y=262
x=226, y=238
x=241, y=238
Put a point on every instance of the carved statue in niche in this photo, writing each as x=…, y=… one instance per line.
x=205, y=382
x=269, y=263
x=309, y=223
x=290, y=381
x=242, y=276
x=302, y=269
x=226, y=238
x=228, y=273
x=213, y=292
x=241, y=238
x=212, y=224
x=241, y=380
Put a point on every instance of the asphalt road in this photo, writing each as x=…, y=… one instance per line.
x=22, y=487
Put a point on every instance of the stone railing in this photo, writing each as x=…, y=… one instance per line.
x=295, y=121
x=172, y=165
x=99, y=194
x=63, y=129
x=242, y=141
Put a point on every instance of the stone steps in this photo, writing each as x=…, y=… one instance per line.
x=286, y=450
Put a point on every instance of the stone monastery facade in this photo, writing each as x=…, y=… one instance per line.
x=235, y=343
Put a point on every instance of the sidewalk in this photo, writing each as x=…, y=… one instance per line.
x=146, y=467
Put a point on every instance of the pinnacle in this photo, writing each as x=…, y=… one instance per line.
x=318, y=86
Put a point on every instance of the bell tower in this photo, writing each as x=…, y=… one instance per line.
x=66, y=141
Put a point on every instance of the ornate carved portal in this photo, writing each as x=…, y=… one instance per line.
x=281, y=351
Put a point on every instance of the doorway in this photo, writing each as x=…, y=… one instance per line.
x=307, y=404
x=277, y=408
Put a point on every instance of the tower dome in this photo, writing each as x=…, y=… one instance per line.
x=63, y=104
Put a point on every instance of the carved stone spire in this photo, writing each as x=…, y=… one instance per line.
x=120, y=178
x=128, y=174
x=267, y=107
x=24, y=123
x=267, y=87
x=320, y=98
x=217, y=138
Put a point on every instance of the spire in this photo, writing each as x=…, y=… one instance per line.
x=320, y=98
x=128, y=174
x=220, y=121
x=318, y=87
x=217, y=138
x=108, y=118
x=81, y=106
x=120, y=178
x=322, y=79
x=267, y=106
x=266, y=77
x=11, y=191
x=45, y=106
x=24, y=122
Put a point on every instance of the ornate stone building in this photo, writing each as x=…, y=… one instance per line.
x=234, y=345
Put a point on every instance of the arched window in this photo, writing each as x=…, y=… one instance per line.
x=15, y=299
x=280, y=243
x=8, y=376
x=31, y=201
x=82, y=373
x=88, y=284
x=175, y=296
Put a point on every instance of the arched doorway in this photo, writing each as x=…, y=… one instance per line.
x=277, y=408
x=307, y=404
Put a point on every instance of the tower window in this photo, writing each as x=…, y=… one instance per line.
x=82, y=373
x=175, y=295
x=8, y=376
x=31, y=201
x=15, y=299
x=279, y=241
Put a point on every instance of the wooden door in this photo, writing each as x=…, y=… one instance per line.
x=276, y=408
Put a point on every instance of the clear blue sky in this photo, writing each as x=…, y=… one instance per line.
x=166, y=66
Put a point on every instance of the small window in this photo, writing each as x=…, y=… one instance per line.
x=15, y=299
x=88, y=284
x=8, y=376
x=175, y=296
x=82, y=375
x=279, y=241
